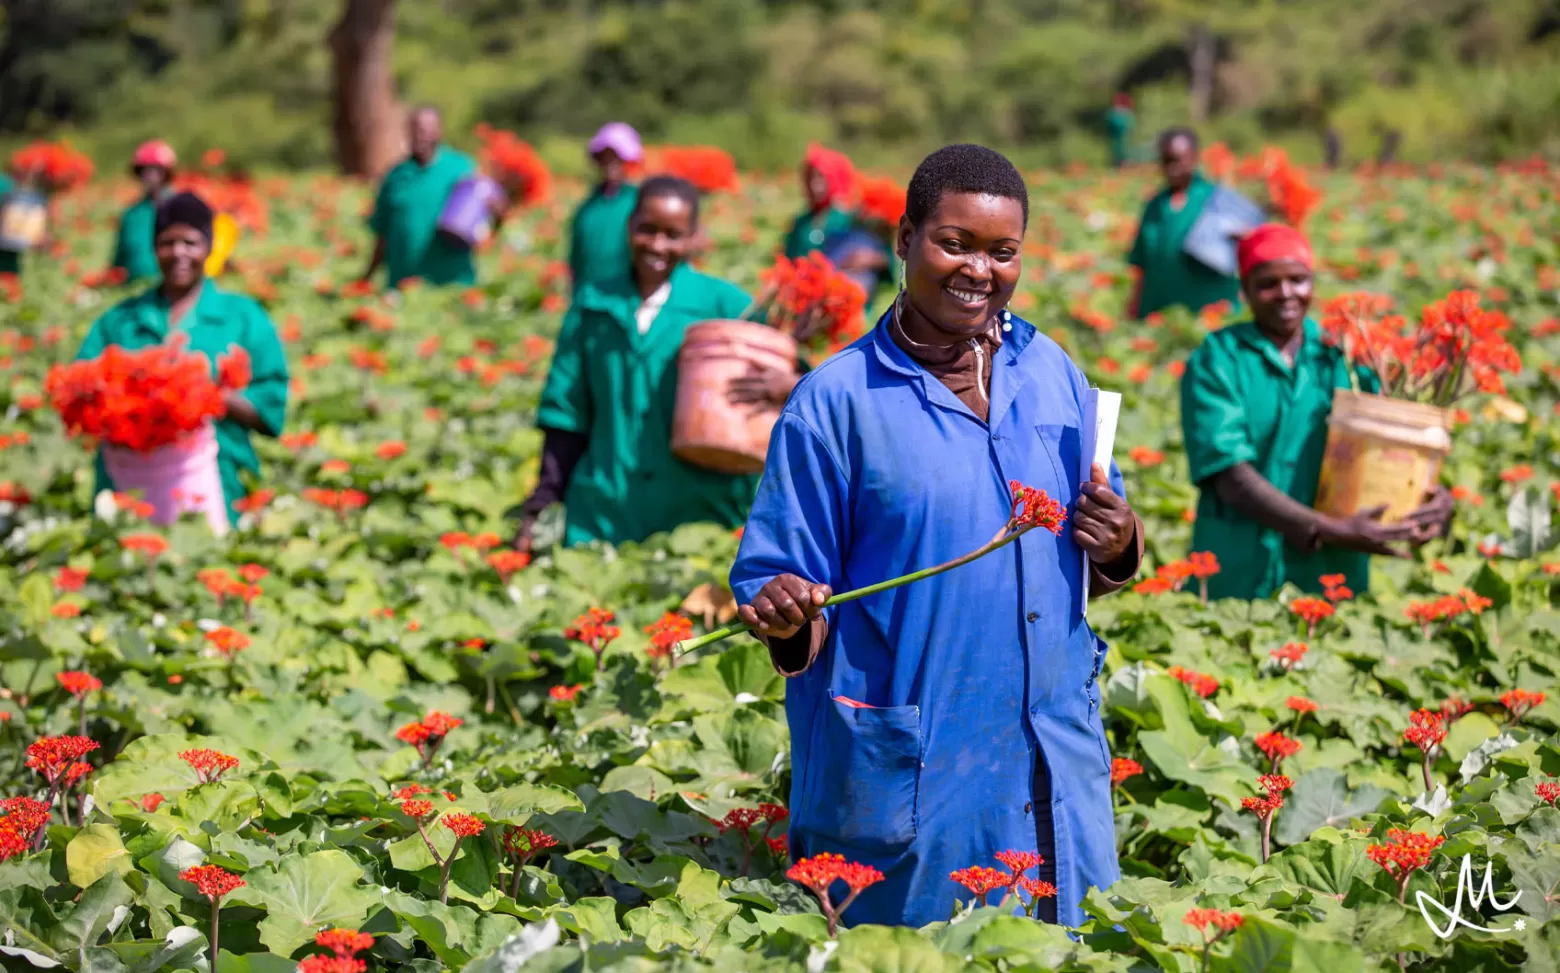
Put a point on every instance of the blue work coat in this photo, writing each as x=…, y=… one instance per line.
x=876, y=469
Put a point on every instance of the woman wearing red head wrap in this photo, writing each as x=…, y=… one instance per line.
x=828, y=181
x=1254, y=405
x=134, y=251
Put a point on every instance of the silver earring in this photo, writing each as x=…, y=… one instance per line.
x=1007, y=320
x=901, y=275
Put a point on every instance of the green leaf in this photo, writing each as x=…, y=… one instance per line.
x=1468, y=732
x=1322, y=798
x=883, y=949
x=95, y=851
x=1326, y=866
x=36, y=595
x=305, y=894
x=104, y=904
x=593, y=918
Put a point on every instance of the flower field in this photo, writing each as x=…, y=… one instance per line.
x=361, y=711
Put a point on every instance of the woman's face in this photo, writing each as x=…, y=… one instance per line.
x=153, y=179
x=963, y=263
x=1178, y=160
x=1279, y=293
x=815, y=187
x=613, y=169
x=658, y=237
x=181, y=255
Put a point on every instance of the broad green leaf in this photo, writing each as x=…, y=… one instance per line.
x=305, y=894
x=102, y=906
x=883, y=949
x=1322, y=798
x=95, y=851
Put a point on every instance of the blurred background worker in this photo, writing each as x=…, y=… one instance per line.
x=405, y=220
x=1166, y=274
x=135, y=246
x=598, y=234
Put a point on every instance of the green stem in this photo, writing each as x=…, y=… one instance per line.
x=1007, y=537
x=216, y=910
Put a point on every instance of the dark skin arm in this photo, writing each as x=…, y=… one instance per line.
x=761, y=387
x=377, y=259
x=243, y=412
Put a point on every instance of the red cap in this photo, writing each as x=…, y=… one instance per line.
x=154, y=153
x=835, y=167
x=1272, y=241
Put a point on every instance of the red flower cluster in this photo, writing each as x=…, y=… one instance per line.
x=515, y=165
x=1292, y=193
x=454, y=540
x=1277, y=746
x=1457, y=347
x=340, y=501
x=1200, y=683
x=1311, y=610
x=1264, y=807
x=565, y=694
x=595, y=629
x=1121, y=768
x=710, y=169
x=151, y=802
x=208, y=764
x=807, y=297
x=1301, y=705
x=821, y=871
x=78, y=684
x=1224, y=922
x=1453, y=707
x=150, y=545
x=1335, y=589
x=57, y=166
x=212, y=881
x=1548, y=791
x=666, y=632
x=427, y=733
x=22, y=821
x=1033, y=507
x=507, y=563
x=70, y=579
x=54, y=757
x=464, y=825
x=1426, y=730
x=526, y=843
x=228, y=641
x=1519, y=701
x=1403, y=853
x=140, y=400
x=1290, y=655
x=982, y=880
x=882, y=200
x=344, y=945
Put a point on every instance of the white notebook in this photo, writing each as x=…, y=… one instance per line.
x=1101, y=409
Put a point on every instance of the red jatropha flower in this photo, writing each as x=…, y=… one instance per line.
x=1019, y=862
x=1267, y=806
x=417, y=808
x=1548, y=791
x=151, y=802
x=1519, y=702
x=65, y=609
x=982, y=880
x=78, y=684
x=140, y=400
x=1153, y=586
x=665, y=633
x=565, y=694
x=1201, y=683
x=227, y=641
x=1224, y=922
x=1404, y=853
x=1426, y=730
x=819, y=872
x=1301, y=705
x=252, y=573
x=209, y=765
x=70, y=579
x=1311, y=611
x=322, y=963
x=427, y=733
x=150, y=545
x=233, y=369
x=594, y=628
x=211, y=881
x=464, y=825
x=344, y=942
x=1033, y=507
x=23, y=819
x=1277, y=746
x=741, y=821
x=507, y=563
x=1122, y=768
x=780, y=847
x=216, y=580
x=53, y=756
x=1290, y=655
x=1202, y=565
x=390, y=450
x=1334, y=588
x=1453, y=707
x=1144, y=456
x=522, y=845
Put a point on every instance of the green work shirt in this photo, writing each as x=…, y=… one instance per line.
x=135, y=248
x=1241, y=402
x=218, y=321
x=619, y=388
x=598, y=236
x=1170, y=275
x=807, y=233
x=406, y=218
x=10, y=260
x=1118, y=123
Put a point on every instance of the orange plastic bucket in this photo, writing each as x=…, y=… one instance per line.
x=707, y=430
x=1381, y=451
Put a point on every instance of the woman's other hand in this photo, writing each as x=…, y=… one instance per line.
x=1430, y=519
x=784, y=605
x=1103, y=523
x=1366, y=533
x=762, y=387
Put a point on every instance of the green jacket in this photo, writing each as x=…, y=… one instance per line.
x=1241, y=402
x=1170, y=276
x=406, y=217
x=598, y=236
x=218, y=321
x=10, y=260
x=619, y=388
x=807, y=234
x=135, y=247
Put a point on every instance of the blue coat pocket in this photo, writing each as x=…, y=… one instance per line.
x=867, y=769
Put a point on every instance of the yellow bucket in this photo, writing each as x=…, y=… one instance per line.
x=1381, y=451
x=224, y=237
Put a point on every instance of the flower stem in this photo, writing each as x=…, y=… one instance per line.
x=1267, y=837
x=216, y=910
x=1424, y=766
x=1002, y=540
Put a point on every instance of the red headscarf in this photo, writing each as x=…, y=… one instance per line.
x=1272, y=241
x=835, y=168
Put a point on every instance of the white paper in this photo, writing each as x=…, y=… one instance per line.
x=1101, y=410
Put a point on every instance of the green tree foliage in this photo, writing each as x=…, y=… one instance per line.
x=1471, y=78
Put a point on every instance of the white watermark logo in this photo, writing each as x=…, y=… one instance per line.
x=1476, y=896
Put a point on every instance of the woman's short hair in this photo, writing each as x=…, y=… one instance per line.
x=963, y=168
x=674, y=186
x=1179, y=132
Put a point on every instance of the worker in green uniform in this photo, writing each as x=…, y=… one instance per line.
x=598, y=237
x=1166, y=275
x=405, y=220
x=135, y=251
x=606, y=409
x=1254, y=405
x=1118, y=126
x=187, y=307
x=10, y=260
x=828, y=179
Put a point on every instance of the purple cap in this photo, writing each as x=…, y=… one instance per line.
x=621, y=138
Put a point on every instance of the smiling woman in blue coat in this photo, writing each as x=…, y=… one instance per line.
x=941, y=722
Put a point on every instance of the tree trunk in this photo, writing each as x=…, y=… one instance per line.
x=367, y=119
x=1200, y=53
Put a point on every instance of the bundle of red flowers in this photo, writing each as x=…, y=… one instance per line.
x=807, y=297
x=515, y=165
x=54, y=165
x=143, y=400
x=1456, y=349
x=882, y=200
x=710, y=169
